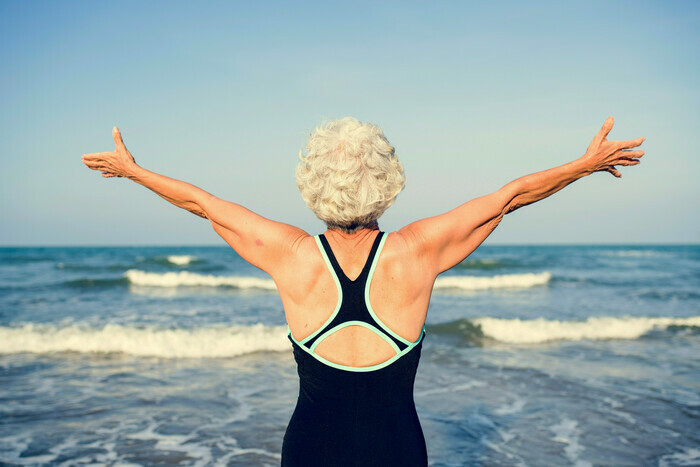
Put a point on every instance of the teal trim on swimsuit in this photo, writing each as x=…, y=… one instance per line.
x=399, y=353
x=369, y=305
x=355, y=323
x=337, y=285
x=361, y=369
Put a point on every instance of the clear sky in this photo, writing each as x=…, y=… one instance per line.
x=223, y=95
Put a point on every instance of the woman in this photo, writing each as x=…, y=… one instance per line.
x=356, y=298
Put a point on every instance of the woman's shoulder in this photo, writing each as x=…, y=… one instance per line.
x=401, y=256
x=402, y=245
x=304, y=263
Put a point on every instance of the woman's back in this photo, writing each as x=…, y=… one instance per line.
x=355, y=404
x=399, y=293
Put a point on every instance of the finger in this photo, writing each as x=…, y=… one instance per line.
x=605, y=130
x=96, y=155
x=633, y=143
x=615, y=172
x=628, y=162
x=100, y=167
x=631, y=153
x=92, y=164
x=622, y=154
x=118, y=138
x=97, y=165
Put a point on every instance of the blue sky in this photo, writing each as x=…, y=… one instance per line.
x=223, y=94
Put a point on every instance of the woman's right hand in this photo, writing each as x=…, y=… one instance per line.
x=603, y=155
x=119, y=163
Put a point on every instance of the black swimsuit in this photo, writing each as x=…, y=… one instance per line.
x=355, y=416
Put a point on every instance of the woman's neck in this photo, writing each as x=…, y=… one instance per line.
x=355, y=238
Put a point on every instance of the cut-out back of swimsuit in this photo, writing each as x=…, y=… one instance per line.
x=355, y=416
x=354, y=309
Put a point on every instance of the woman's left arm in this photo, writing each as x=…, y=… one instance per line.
x=260, y=241
x=447, y=239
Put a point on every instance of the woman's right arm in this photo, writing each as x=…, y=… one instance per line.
x=445, y=240
x=264, y=243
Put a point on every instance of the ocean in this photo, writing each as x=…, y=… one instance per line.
x=533, y=355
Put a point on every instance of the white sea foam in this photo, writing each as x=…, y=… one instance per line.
x=505, y=281
x=689, y=456
x=512, y=408
x=209, y=342
x=200, y=454
x=543, y=330
x=191, y=279
x=567, y=432
x=181, y=260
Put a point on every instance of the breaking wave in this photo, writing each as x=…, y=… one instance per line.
x=232, y=341
x=181, y=260
x=534, y=331
x=205, y=342
x=190, y=279
x=505, y=281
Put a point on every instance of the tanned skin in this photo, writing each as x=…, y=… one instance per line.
x=411, y=259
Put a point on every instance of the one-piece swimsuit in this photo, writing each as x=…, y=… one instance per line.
x=355, y=416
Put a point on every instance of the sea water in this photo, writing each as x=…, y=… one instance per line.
x=534, y=355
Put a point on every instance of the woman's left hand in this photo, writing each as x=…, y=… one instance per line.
x=603, y=155
x=119, y=163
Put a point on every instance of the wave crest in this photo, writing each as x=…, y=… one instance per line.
x=209, y=342
x=505, y=281
x=181, y=260
x=542, y=330
x=191, y=279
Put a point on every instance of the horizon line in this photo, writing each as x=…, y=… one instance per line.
x=201, y=245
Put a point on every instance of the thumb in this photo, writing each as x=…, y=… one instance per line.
x=607, y=126
x=118, y=138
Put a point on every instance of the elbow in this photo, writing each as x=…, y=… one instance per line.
x=513, y=197
x=511, y=206
x=199, y=212
x=493, y=223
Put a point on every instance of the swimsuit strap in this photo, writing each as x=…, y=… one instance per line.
x=336, y=266
x=354, y=308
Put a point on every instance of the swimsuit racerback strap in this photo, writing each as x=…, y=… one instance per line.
x=354, y=308
x=336, y=266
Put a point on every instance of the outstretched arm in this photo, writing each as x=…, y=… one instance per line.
x=445, y=240
x=260, y=241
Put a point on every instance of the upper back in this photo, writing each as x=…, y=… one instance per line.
x=399, y=293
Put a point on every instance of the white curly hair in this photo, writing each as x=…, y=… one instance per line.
x=349, y=175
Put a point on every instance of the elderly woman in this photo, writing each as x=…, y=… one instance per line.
x=356, y=298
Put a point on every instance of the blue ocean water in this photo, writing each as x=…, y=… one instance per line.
x=534, y=355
